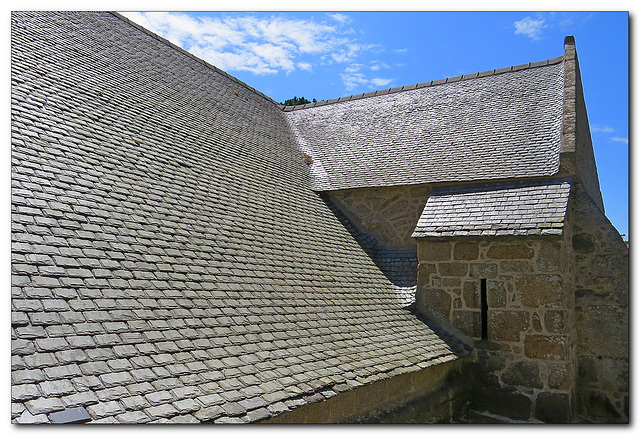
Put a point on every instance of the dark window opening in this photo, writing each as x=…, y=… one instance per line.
x=484, y=308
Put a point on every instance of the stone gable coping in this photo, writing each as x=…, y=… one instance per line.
x=529, y=65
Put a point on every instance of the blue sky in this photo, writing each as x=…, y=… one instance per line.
x=326, y=55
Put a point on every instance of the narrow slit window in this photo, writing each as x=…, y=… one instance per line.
x=484, y=308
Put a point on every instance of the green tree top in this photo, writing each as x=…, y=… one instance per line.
x=295, y=101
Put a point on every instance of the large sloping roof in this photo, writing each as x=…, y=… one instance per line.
x=517, y=208
x=494, y=125
x=170, y=260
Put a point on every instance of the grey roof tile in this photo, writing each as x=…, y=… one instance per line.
x=20, y=393
x=56, y=388
x=187, y=406
x=27, y=418
x=141, y=388
x=63, y=371
x=83, y=398
x=167, y=410
x=133, y=417
x=209, y=413
x=134, y=403
x=44, y=405
x=104, y=409
x=112, y=393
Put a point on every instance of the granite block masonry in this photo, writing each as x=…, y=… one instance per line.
x=515, y=301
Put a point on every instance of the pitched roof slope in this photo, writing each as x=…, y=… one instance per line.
x=169, y=258
x=496, y=125
x=520, y=208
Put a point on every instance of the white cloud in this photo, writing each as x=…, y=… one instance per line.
x=377, y=81
x=275, y=56
x=352, y=78
x=351, y=52
x=245, y=61
x=262, y=45
x=620, y=139
x=600, y=128
x=530, y=27
x=377, y=65
x=177, y=28
x=571, y=20
x=347, y=54
x=341, y=18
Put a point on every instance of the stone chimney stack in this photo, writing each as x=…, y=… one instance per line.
x=576, y=157
x=569, y=118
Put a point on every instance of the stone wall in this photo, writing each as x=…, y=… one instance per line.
x=602, y=317
x=526, y=365
x=601, y=269
x=390, y=214
x=431, y=395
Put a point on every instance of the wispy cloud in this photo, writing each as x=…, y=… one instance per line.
x=600, y=128
x=305, y=66
x=341, y=18
x=531, y=28
x=354, y=77
x=262, y=45
x=378, y=65
x=565, y=22
x=378, y=81
x=571, y=20
x=623, y=140
x=350, y=52
x=603, y=129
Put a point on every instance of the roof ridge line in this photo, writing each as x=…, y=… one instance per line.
x=192, y=56
x=494, y=184
x=463, y=77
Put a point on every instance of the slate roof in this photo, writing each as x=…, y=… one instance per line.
x=494, y=125
x=511, y=208
x=169, y=259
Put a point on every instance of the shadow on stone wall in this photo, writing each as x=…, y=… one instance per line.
x=400, y=267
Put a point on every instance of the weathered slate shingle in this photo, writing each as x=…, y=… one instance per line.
x=171, y=260
x=503, y=125
x=497, y=209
